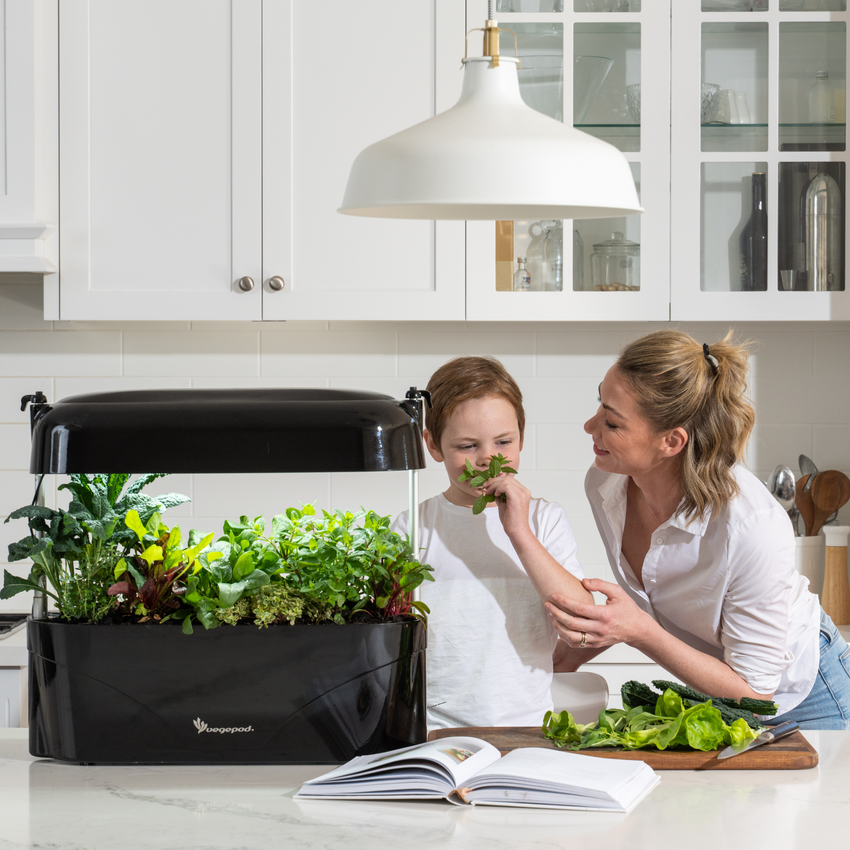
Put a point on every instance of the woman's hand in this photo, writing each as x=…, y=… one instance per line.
x=513, y=511
x=619, y=620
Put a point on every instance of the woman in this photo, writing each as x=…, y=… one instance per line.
x=702, y=553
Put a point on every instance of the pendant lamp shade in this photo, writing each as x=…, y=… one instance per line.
x=490, y=157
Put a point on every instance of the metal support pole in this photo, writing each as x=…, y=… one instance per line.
x=413, y=532
x=37, y=401
x=39, y=599
x=414, y=398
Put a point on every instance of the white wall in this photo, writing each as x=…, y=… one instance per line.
x=801, y=385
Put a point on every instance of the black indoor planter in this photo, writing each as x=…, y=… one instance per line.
x=318, y=694
x=315, y=694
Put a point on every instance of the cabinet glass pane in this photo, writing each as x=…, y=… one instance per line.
x=606, y=5
x=812, y=86
x=606, y=64
x=530, y=6
x=540, y=48
x=733, y=241
x=812, y=5
x=810, y=249
x=541, y=246
x=606, y=251
x=734, y=90
x=737, y=5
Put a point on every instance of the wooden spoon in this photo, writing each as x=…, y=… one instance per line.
x=805, y=505
x=830, y=492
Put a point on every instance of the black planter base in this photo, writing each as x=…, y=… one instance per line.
x=148, y=694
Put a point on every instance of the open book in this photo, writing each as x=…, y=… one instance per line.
x=468, y=771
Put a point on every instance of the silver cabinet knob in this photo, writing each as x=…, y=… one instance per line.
x=246, y=284
x=276, y=283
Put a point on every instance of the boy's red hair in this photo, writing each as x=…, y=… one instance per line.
x=464, y=378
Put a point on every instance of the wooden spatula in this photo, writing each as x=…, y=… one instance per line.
x=830, y=492
x=805, y=505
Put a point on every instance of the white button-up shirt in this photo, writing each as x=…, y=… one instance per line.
x=725, y=585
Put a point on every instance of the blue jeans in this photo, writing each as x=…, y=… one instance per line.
x=828, y=704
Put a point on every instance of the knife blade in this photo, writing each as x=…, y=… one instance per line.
x=765, y=737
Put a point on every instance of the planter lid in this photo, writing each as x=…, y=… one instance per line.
x=226, y=430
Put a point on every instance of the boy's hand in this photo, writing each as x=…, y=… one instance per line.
x=478, y=478
x=513, y=500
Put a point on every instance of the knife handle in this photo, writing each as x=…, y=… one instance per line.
x=788, y=728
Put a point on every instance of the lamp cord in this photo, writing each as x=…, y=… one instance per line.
x=490, y=13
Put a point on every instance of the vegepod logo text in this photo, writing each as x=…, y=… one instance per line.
x=201, y=726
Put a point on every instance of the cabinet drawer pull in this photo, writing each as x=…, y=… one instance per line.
x=276, y=283
x=246, y=284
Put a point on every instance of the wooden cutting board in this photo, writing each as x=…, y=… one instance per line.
x=793, y=752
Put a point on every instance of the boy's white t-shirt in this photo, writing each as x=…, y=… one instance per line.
x=490, y=642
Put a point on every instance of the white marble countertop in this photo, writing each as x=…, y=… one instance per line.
x=68, y=807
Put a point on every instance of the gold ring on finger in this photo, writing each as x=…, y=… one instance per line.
x=583, y=643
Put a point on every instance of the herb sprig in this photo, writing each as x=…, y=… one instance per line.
x=477, y=477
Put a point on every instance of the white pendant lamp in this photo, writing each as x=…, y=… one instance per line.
x=490, y=157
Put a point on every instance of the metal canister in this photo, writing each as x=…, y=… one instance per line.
x=823, y=235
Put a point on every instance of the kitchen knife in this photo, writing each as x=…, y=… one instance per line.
x=766, y=737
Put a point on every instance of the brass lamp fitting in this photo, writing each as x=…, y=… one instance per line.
x=491, y=30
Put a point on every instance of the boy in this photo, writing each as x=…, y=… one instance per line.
x=490, y=641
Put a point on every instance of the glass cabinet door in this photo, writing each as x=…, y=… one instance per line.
x=588, y=61
x=758, y=160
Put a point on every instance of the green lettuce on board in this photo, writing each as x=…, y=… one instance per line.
x=669, y=723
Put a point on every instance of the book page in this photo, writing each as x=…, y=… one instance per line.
x=554, y=770
x=452, y=759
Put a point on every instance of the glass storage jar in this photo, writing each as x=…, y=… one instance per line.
x=615, y=265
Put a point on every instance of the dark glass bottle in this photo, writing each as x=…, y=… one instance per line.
x=754, y=241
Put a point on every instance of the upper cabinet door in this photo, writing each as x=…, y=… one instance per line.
x=759, y=160
x=604, y=67
x=161, y=159
x=339, y=76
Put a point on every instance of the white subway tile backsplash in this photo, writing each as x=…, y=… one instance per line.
x=831, y=447
x=234, y=383
x=832, y=354
x=253, y=494
x=794, y=400
x=801, y=386
x=15, y=447
x=17, y=489
x=192, y=353
x=386, y=493
x=772, y=445
x=78, y=386
x=423, y=352
x=563, y=446
x=50, y=354
x=21, y=308
x=555, y=400
x=12, y=390
x=316, y=354
x=569, y=353
x=783, y=353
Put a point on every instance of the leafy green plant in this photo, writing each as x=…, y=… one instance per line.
x=75, y=550
x=150, y=580
x=477, y=478
x=635, y=693
x=668, y=722
x=317, y=568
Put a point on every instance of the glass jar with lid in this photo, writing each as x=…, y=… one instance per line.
x=615, y=265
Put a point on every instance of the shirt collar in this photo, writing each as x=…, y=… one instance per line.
x=613, y=493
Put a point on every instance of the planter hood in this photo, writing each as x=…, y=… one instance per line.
x=227, y=430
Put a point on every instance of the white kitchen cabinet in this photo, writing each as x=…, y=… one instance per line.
x=626, y=49
x=27, y=150
x=205, y=146
x=771, y=57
